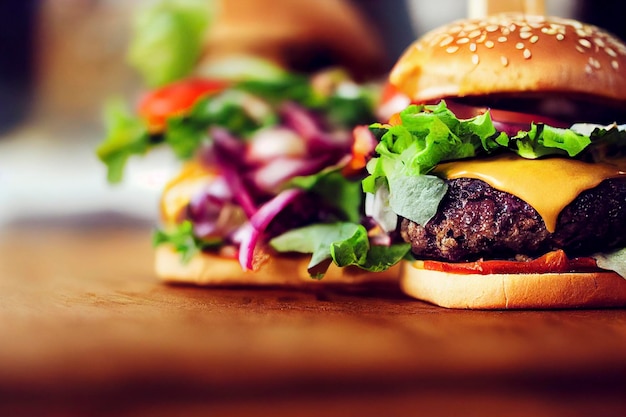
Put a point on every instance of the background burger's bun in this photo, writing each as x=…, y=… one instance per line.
x=212, y=270
x=308, y=36
x=515, y=291
x=510, y=53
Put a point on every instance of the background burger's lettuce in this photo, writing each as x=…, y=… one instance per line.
x=243, y=108
x=167, y=39
x=347, y=244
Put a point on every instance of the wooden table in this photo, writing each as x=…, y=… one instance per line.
x=85, y=329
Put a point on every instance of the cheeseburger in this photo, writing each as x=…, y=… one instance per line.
x=269, y=191
x=506, y=172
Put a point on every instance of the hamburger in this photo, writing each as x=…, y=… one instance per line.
x=269, y=188
x=506, y=172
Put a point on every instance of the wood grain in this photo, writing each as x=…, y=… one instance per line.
x=85, y=328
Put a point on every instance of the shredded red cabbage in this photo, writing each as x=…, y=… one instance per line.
x=252, y=232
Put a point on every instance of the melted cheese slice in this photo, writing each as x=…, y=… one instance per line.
x=178, y=191
x=548, y=184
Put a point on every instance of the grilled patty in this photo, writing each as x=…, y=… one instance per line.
x=477, y=221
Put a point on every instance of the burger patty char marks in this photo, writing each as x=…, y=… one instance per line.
x=475, y=220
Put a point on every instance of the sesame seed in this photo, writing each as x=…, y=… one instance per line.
x=599, y=42
x=519, y=45
x=560, y=36
x=585, y=43
x=502, y=39
x=455, y=29
x=475, y=59
x=504, y=60
x=615, y=64
x=472, y=47
x=527, y=53
x=580, y=49
x=448, y=40
x=610, y=52
x=594, y=63
x=534, y=39
x=461, y=41
x=474, y=34
x=489, y=44
x=525, y=35
x=452, y=49
x=492, y=28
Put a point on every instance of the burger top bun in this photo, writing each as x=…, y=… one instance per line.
x=306, y=35
x=509, y=53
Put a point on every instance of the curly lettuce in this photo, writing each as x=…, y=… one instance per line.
x=430, y=134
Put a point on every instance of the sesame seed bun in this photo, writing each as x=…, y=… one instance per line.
x=513, y=53
x=514, y=291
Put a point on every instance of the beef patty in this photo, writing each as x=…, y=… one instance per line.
x=477, y=221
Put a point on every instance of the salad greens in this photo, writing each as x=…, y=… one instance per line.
x=245, y=107
x=613, y=261
x=184, y=241
x=431, y=134
x=347, y=244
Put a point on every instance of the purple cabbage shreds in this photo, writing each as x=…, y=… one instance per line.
x=227, y=149
x=271, y=176
x=318, y=138
x=228, y=152
x=250, y=235
x=213, y=212
x=300, y=120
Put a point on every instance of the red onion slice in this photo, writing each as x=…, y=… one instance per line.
x=252, y=232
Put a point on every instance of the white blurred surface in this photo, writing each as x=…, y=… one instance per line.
x=42, y=179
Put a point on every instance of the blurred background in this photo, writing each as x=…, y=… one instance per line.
x=60, y=60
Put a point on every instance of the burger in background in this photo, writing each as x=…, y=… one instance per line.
x=508, y=175
x=269, y=192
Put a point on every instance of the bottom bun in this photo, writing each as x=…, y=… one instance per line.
x=208, y=269
x=514, y=291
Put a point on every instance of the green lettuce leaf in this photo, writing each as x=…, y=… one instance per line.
x=346, y=244
x=608, y=144
x=183, y=240
x=167, y=39
x=542, y=140
x=431, y=134
x=404, y=191
x=126, y=135
x=249, y=105
x=335, y=190
x=613, y=261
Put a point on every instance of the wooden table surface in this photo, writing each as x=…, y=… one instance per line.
x=86, y=329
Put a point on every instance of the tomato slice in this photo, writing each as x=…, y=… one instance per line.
x=392, y=101
x=552, y=262
x=176, y=98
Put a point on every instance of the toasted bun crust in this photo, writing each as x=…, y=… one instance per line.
x=298, y=36
x=212, y=270
x=509, y=53
x=514, y=291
